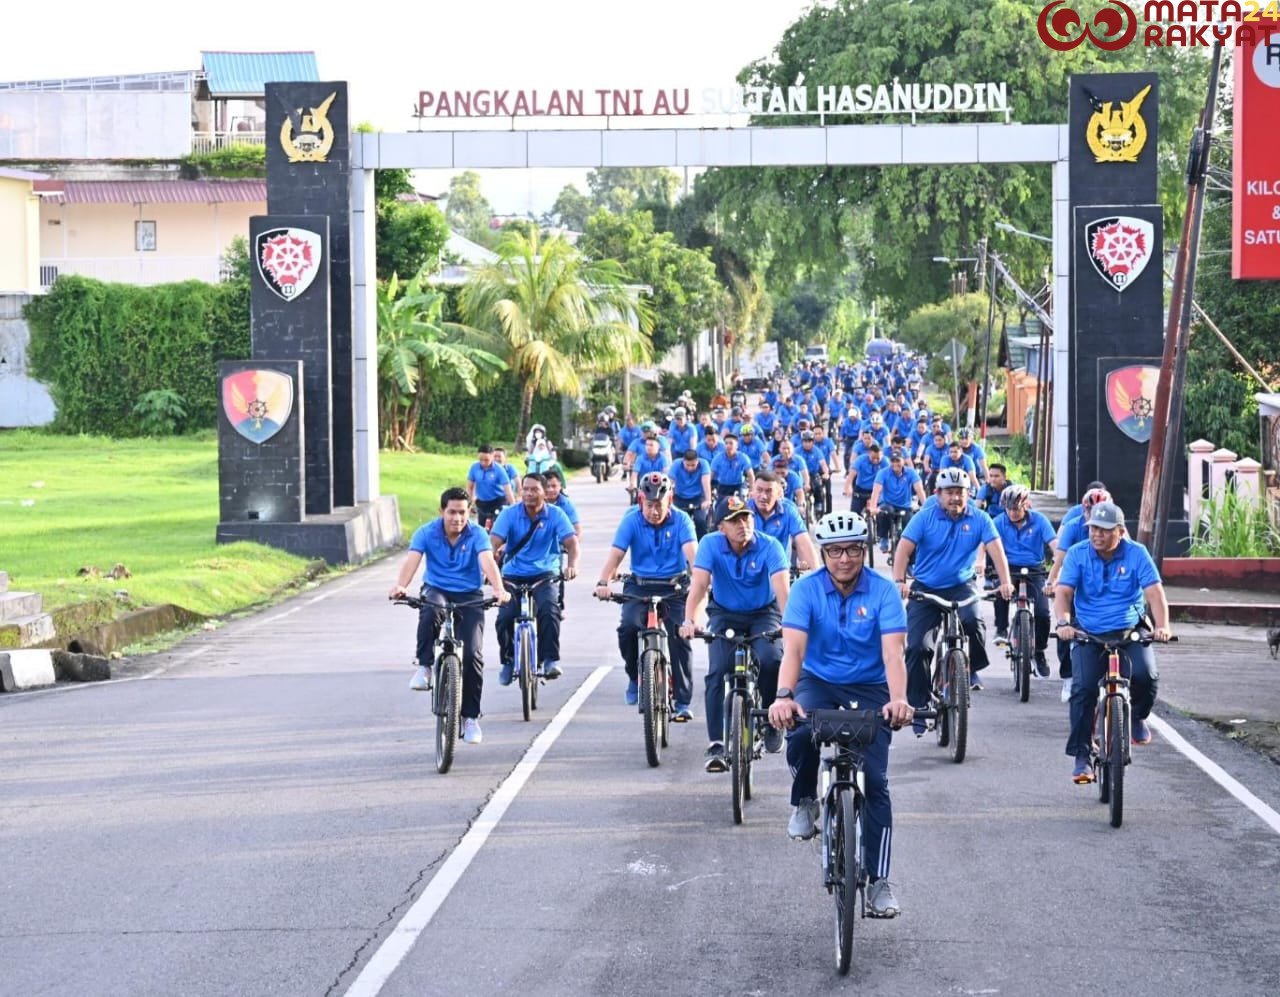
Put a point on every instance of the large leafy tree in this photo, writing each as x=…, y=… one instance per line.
x=410, y=237
x=930, y=327
x=467, y=209
x=417, y=350
x=622, y=188
x=559, y=315
x=809, y=215
x=686, y=295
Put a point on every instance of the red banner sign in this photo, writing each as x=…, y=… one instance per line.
x=1255, y=238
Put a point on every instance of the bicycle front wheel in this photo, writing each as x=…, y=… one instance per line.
x=846, y=851
x=1117, y=741
x=524, y=667
x=957, y=672
x=650, y=706
x=448, y=706
x=942, y=726
x=738, y=748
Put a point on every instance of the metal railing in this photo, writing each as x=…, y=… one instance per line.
x=213, y=141
x=140, y=269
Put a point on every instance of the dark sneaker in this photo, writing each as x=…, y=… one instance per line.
x=507, y=674
x=1042, y=665
x=551, y=670
x=918, y=727
x=880, y=900
x=804, y=821
x=715, y=758
x=772, y=740
x=1002, y=638
x=632, y=695
x=1082, y=774
x=1141, y=732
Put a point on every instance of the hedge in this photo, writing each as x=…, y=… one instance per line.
x=489, y=417
x=99, y=347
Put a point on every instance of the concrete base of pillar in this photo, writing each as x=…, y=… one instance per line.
x=348, y=535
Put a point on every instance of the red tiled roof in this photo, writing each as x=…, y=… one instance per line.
x=158, y=191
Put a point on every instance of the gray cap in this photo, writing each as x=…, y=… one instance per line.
x=1106, y=515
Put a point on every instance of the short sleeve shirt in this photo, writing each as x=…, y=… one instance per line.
x=1024, y=543
x=541, y=554
x=730, y=470
x=844, y=632
x=568, y=508
x=783, y=524
x=741, y=583
x=946, y=547
x=1108, y=594
x=656, y=551
x=490, y=482
x=644, y=464
x=451, y=567
x=897, y=489
x=688, y=484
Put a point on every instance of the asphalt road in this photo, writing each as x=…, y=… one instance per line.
x=256, y=811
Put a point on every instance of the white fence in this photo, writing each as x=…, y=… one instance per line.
x=1212, y=470
x=212, y=141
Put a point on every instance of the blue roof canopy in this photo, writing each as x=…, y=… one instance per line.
x=245, y=74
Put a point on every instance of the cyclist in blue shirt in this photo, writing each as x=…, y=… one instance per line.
x=850, y=430
x=792, y=483
x=748, y=579
x=682, y=435
x=751, y=446
x=661, y=541
x=651, y=458
x=860, y=482
x=629, y=432
x=945, y=536
x=1073, y=529
x=557, y=496
x=894, y=488
x=513, y=473
x=459, y=557
x=730, y=470
x=973, y=451
x=765, y=420
x=779, y=517
x=934, y=454
x=488, y=487
x=842, y=643
x=956, y=457
x=530, y=534
x=1105, y=580
x=1026, y=535
x=691, y=481
x=989, y=494
x=710, y=448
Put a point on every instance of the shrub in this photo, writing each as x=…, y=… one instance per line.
x=160, y=412
x=1234, y=525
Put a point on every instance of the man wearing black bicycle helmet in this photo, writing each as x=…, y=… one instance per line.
x=1026, y=535
x=842, y=635
x=662, y=542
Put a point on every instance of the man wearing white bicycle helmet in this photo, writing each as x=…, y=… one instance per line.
x=842, y=639
x=945, y=536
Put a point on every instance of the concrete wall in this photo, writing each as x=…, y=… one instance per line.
x=20, y=246
x=51, y=124
x=23, y=402
x=97, y=240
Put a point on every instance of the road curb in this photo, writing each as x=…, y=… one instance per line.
x=26, y=670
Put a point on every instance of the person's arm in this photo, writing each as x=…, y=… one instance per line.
x=901, y=558
x=571, y=548
x=1059, y=555
x=783, y=712
x=1158, y=603
x=471, y=491
x=806, y=556
x=607, y=571
x=849, y=479
x=690, y=550
x=919, y=490
x=408, y=568
x=893, y=648
x=873, y=503
x=1063, y=600
x=696, y=600
x=706, y=490
x=489, y=568
x=780, y=582
x=508, y=496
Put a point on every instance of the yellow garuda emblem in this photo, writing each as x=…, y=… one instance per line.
x=306, y=135
x=1117, y=135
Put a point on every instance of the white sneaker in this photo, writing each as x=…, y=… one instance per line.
x=421, y=680
x=804, y=821
x=1066, y=689
x=471, y=731
x=880, y=900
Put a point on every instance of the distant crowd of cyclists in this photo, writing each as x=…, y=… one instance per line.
x=732, y=519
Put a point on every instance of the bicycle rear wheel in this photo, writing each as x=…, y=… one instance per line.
x=1117, y=742
x=650, y=708
x=1024, y=642
x=524, y=668
x=738, y=749
x=447, y=707
x=846, y=846
x=957, y=672
x=665, y=709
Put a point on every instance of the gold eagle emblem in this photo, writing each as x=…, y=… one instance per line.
x=1117, y=135
x=307, y=136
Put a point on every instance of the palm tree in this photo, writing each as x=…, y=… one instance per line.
x=415, y=347
x=560, y=315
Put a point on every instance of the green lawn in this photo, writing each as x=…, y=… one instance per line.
x=152, y=505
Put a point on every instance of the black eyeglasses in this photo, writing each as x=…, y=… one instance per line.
x=851, y=551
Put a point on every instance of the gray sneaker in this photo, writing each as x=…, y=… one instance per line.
x=880, y=900
x=421, y=681
x=804, y=821
x=1066, y=689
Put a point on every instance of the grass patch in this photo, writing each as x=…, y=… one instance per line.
x=152, y=505
x=417, y=479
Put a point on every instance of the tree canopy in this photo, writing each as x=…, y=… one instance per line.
x=467, y=209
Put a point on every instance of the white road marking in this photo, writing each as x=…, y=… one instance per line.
x=402, y=938
x=1217, y=774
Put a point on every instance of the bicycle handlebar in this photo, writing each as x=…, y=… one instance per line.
x=530, y=586
x=678, y=581
x=416, y=603
x=1130, y=637
x=921, y=596
x=737, y=639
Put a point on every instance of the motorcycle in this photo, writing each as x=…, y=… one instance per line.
x=602, y=456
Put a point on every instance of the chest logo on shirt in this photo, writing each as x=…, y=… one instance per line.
x=964, y=528
x=1120, y=570
x=862, y=611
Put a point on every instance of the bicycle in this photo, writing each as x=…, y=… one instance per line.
x=950, y=691
x=743, y=727
x=841, y=803
x=445, y=677
x=898, y=518
x=1022, y=636
x=1109, y=750
x=657, y=697
x=524, y=642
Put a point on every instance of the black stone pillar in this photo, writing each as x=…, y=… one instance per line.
x=309, y=173
x=261, y=438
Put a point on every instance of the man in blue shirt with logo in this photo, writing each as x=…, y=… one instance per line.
x=751, y=446
x=660, y=539
x=842, y=644
x=748, y=579
x=459, y=556
x=779, y=517
x=651, y=458
x=945, y=536
x=894, y=488
x=691, y=479
x=488, y=487
x=860, y=482
x=730, y=470
x=1105, y=580
x=531, y=534
x=682, y=435
x=1026, y=535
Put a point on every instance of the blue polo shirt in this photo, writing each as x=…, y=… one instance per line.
x=1072, y=531
x=730, y=470
x=783, y=524
x=682, y=438
x=656, y=551
x=946, y=547
x=844, y=633
x=1024, y=543
x=740, y=582
x=765, y=421
x=491, y=481
x=637, y=446
x=1108, y=594
x=709, y=453
x=791, y=483
x=964, y=461
x=991, y=495
x=865, y=472
x=644, y=464
x=897, y=489
x=753, y=449
x=541, y=554
x=628, y=435
x=936, y=455
x=813, y=458
x=568, y=508
x=451, y=567
x=850, y=425
x=688, y=484
x=512, y=474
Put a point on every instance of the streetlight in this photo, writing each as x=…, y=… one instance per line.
x=1006, y=227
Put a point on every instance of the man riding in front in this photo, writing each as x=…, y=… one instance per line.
x=531, y=534
x=661, y=541
x=842, y=644
x=945, y=536
x=488, y=486
x=894, y=488
x=1026, y=535
x=1106, y=579
x=748, y=579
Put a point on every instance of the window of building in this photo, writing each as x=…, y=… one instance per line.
x=144, y=237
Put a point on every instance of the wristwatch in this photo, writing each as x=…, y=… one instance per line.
x=784, y=693
x=1061, y=623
